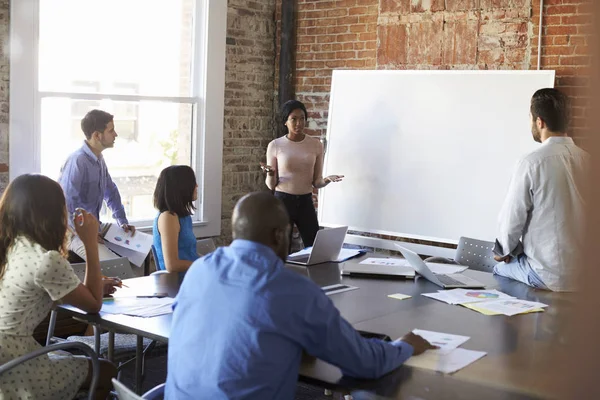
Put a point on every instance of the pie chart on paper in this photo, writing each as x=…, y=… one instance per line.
x=482, y=295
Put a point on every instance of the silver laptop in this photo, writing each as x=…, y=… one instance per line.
x=378, y=271
x=326, y=248
x=445, y=281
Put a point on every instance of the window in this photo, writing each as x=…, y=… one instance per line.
x=157, y=66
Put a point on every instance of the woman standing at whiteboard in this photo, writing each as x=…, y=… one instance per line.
x=295, y=167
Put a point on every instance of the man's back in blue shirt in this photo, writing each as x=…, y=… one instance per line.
x=240, y=324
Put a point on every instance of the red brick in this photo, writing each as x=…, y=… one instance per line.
x=425, y=42
x=3, y=168
x=427, y=5
x=392, y=44
x=460, y=42
x=396, y=6
x=461, y=5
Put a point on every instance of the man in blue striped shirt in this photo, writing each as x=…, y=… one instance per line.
x=86, y=181
x=241, y=320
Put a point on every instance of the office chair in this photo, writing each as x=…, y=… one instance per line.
x=124, y=393
x=476, y=254
x=60, y=346
x=124, y=344
x=203, y=247
x=473, y=253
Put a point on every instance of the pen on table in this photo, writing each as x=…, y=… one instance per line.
x=121, y=284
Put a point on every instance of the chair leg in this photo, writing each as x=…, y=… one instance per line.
x=51, y=327
x=97, y=340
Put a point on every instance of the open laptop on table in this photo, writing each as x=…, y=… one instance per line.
x=445, y=281
x=326, y=248
x=378, y=271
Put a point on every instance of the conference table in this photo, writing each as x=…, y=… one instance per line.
x=522, y=350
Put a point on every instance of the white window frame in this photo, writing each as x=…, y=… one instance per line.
x=208, y=93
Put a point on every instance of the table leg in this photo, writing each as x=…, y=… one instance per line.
x=139, y=350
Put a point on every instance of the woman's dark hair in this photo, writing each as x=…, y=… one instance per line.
x=287, y=109
x=553, y=107
x=175, y=190
x=33, y=206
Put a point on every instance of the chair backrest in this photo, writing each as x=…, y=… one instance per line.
x=124, y=393
x=156, y=393
x=155, y=257
x=118, y=267
x=205, y=246
x=475, y=254
x=57, y=347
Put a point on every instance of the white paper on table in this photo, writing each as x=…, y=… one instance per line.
x=343, y=256
x=511, y=307
x=140, y=241
x=392, y=262
x=445, y=341
x=135, y=257
x=445, y=269
x=138, y=307
x=440, y=296
x=464, y=296
x=447, y=363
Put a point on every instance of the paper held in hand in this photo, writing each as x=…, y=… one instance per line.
x=135, y=247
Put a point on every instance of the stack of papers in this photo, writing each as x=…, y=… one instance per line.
x=488, y=302
x=448, y=358
x=138, y=307
x=465, y=296
x=436, y=268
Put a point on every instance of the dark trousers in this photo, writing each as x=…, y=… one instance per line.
x=302, y=212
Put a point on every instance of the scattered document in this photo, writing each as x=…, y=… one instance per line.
x=484, y=311
x=446, y=363
x=445, y=269
x=399, y=296
x=390, y=262
x=139, y=241
x=345, y=254
x=511, y=307
x=138, y=307
x=445, y=341
x=136, y=248
x=466, y=296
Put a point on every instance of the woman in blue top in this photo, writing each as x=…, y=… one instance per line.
x=174, y=239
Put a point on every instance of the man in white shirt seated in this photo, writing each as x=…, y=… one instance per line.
x=541, y=223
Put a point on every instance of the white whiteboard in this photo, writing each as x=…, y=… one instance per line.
x=426, y=154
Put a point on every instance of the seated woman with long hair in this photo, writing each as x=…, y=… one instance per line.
x=34, y=274
x=174, y=239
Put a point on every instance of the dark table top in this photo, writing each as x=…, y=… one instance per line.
x=522, y=350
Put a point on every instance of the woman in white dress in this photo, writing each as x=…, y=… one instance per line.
x=34, y=273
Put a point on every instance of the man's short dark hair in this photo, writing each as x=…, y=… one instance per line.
x=174, y=190
x=95, y=120
x=553, y=107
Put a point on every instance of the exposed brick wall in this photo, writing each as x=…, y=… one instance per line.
x=565, y=48
x=4, y=63
x=249, y=99
x=437, y=34
x=433, y=34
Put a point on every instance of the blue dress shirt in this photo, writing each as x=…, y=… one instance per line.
x=87, y=183
x=186, y=242
x=240, y=324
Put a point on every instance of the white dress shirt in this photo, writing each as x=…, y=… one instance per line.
x=544, y=208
